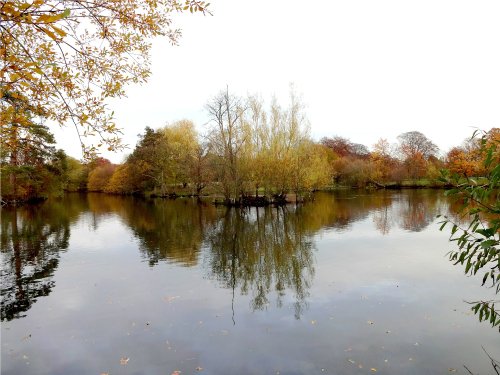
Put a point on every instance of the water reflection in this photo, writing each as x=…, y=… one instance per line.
x=260, y=251
x=32, y=238
x=154, y=281
x=166, y=229
x=267, y=253
x=411, y=210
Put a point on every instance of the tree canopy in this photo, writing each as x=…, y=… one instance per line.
x=66, y=58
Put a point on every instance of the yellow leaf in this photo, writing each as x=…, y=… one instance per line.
x=43, y=18
x=24, y=6
x=61, y=32
x=50, y=33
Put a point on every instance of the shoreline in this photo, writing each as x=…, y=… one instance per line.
x=244, y=201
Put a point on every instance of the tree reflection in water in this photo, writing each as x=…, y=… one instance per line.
x=266, y=253
x=170, y=230
x=32, y=238
x=263, y=250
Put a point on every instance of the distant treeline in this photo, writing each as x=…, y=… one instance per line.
x=248, y=150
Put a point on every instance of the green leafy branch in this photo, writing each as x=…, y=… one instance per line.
x=478, y=243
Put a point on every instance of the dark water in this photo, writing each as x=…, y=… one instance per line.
x=349, y=284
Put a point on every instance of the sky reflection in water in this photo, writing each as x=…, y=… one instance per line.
x=349, y=283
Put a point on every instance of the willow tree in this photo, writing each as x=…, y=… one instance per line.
x=291, y=162
x=69, y=57
x=227, y=137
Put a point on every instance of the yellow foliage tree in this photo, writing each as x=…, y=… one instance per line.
x=100, y=177
x=69, y=57
x=180, y=142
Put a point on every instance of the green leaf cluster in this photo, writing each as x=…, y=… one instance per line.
x=478, y=242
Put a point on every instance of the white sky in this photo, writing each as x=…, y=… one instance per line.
x=366, y=69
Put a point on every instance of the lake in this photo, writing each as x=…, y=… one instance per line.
x=352, y=283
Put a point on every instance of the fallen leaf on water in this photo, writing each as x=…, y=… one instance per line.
x=373, y=369
x=124, y=360
x=170, y=299
x=199, y=368
x=176, y=372
x=452, y=370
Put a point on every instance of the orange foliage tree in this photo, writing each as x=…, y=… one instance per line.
x=100, y=176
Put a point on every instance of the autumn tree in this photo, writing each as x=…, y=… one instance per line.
x=283, y=157
x=100, y=176
x=414, y=143
x=303, y=161
x=416, y=149
x=461, y=162
x=162, y=161
x=227, y=137
x=478, y=243
x=467, y=160
x=253, y=158
x=315, y=168
x=69, y=57
x=382, y=161
x=179, y=146
x=349, y=162
x=343, y=147
x=75, y=176
x=120, y=181
x=30, y=166
x=146, y=163
x=201, y=167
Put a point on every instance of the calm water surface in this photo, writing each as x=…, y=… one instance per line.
x=349, y=284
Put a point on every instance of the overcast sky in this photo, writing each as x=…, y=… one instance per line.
x=366, y=69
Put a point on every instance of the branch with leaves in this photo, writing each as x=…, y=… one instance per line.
x=478, y=243
x=68, y=57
